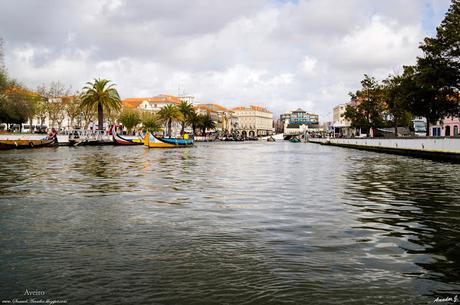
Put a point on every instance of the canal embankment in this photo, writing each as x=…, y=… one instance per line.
x=445, y=149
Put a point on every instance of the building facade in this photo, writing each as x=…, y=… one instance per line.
x=224, y=119
x=341, y=126
x=151, y=103
x=300, y=121
x=253, y=121
x=154, y=104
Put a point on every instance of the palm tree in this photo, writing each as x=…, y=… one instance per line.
x=168, y=114
x=206, y=122
x=186, y=109
x=130, y=118
x=103, y=96
x=193, y=120
x=150, y=122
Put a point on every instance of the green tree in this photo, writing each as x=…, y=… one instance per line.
x=169, y=114
x=193, y=120
x=396, y=105
x=446, y=44
x=186, y=109
x=151, y=122
x=432, y=85
x=426, y=93
x=369, y=107
x=129, y=118
x=17, y=104
x=206, y=122
x=102, y=95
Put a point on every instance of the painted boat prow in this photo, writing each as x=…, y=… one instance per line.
x=155, y=142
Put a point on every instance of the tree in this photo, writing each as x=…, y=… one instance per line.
x=151, y=122
x=396, y=105
x=72, y=109
x=446, y=44
x=169, y=114
x=425, y=91
x=186, y=109
x=88, y=113
x=433, y=83
x=56, y=111
x=17, y=104
x=193, y=120
x=102, y=95
x=52, y=102
x=368, y=110
x=129, y=118
x=206, y=122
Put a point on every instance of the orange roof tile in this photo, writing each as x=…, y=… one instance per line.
x=252, y=107
x=162, y=98
x=215, y=107
x=203, y=107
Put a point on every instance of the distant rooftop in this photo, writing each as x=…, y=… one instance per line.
x=252, y=107
x=162, y=98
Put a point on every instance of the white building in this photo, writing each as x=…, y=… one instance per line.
x=341, y=125
x=155, y=104
x=151, y=103
x=254, y=121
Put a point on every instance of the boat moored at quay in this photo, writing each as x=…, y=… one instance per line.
x=152, y=141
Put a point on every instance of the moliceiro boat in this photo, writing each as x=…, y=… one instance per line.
x=15, y=144
x=152, y=141
x=124, y=140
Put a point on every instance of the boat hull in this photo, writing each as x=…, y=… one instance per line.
x=120, y=140
x=23, y=144
x=153, y=142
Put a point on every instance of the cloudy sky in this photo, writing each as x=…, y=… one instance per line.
x=278, y=54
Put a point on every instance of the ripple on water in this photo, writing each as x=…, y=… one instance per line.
x=241, y=223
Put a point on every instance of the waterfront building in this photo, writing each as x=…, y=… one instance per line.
x=341, y=126
x=224, y=119
x=253, y=121
x=299, y=121
x=447, y=127
x=62, y=114
x=154, y=104
x=451, y=126
x=151, y=103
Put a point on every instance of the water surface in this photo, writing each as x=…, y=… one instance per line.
x=228, y=223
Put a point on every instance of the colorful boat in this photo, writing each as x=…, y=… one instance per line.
x=155, y=142
x=121, y=140
x=20, y=144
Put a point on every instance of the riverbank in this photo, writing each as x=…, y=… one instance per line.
x=445, y=149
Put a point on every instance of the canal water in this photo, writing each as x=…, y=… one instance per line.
x=228, y=223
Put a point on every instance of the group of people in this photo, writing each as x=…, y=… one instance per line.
x=52, y=135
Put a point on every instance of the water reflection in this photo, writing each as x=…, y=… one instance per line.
x=235, y=223
x=411, y=202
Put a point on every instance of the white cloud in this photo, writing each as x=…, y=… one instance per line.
x=306, y=54
x=308, y=64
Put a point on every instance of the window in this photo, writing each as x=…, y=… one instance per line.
x=436, y=131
